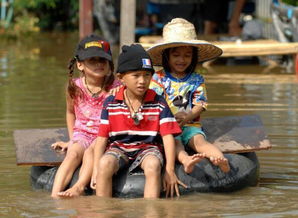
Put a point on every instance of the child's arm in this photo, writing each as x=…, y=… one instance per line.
x=199, y=102
x=170, y=181
x=70, y=116
x=70, y=121
x=99, y=149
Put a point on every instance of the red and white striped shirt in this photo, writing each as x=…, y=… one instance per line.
x=118, y=125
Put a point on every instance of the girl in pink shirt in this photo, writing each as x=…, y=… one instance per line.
x=84, y=101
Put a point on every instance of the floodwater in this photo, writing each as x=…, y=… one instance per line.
x=32, y=81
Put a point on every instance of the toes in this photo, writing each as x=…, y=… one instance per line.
x=214, y=160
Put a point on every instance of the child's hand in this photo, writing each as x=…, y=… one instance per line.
x=180, y=117
x=93, y=178
x=60, y=146
x=171, y=182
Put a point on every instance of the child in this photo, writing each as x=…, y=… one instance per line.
x=183, y=88
x=136, y=122
x=85, y=96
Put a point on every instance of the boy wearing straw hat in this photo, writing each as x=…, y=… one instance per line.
x=184, y=89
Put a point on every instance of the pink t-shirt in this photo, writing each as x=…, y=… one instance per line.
x=87, y=111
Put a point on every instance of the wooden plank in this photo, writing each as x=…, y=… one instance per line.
x=233, y=134
x=127, y=22
x=241, y=48
x=296, y=65
x=237, y=134
x=257, y=48
x=158, y=38
x=86, y=18
x=33, y=146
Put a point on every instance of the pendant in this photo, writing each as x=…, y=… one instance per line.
x=94, y=95
x=137, y=117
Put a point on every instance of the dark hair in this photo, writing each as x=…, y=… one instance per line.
x=73, y=90
x=189, y=69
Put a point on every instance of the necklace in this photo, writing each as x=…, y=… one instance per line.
x=93, y=94
x=137, y=115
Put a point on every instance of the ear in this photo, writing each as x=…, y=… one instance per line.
x=80, y=65
x=120, y=76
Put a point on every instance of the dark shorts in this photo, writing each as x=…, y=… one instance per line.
x=125, y=161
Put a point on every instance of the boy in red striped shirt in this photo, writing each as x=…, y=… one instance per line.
x=139, y=127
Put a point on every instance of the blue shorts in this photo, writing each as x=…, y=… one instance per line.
x=188, y=132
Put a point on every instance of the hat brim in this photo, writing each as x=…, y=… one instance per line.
x=95, y=52
x=206, y=50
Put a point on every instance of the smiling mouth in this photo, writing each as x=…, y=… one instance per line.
x=180, y=65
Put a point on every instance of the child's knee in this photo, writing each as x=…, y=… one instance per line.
x=107, y=164
x=199, y=139
x=152, y=165
x=73, y=155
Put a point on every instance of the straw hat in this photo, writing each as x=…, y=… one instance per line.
x=180, y=32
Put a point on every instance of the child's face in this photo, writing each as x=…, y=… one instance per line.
x=137, y=82
x=95, y=67
x=180, y=59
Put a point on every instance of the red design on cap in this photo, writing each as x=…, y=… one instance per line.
x=105, y=45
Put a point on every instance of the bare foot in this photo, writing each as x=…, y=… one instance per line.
x=55, y=196
x=221, y=162
x=74, y=191
x=190, y=161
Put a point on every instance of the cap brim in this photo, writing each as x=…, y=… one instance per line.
x=95, y=52
x=206, y=50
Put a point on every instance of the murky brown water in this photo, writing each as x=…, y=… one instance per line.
x=32, y=78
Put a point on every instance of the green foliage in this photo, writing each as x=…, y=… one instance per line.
x=31, y=16
x=51, y=14
x=291, y=2
x=24, y=25
x=33, y=4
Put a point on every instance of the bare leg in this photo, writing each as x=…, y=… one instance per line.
x=85, y=175
x=209, y=27
x=152, y=169
x=186, y=160
x=108, y=165
x=65, y=172
x=199, y=144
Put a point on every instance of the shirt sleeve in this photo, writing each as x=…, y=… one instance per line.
x=156, y=85
x=167, y=123
x=104, y=126
x=200, y=96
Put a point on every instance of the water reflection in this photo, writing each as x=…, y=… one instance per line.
x=32, y=82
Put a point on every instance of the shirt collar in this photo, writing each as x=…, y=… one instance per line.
x=149, y=95
x=184, y=79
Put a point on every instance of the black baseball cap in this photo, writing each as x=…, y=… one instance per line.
x=93, y=46
x=133, y=58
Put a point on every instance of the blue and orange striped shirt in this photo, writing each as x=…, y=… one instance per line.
x=118, y=125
